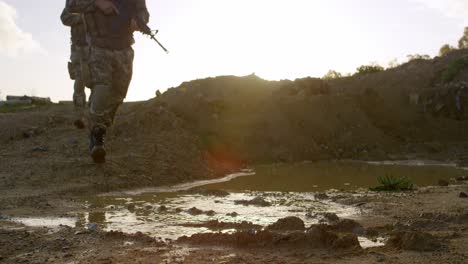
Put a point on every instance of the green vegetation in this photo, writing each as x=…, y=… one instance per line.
x=393, y=184
x=446, y=49
x=454, y=69
x=418, y=57
x=332, y=74
x=366, y=69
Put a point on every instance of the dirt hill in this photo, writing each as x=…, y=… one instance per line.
x=405, y=110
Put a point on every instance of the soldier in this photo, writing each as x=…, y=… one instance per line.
x=110, y=25
x=77, y=67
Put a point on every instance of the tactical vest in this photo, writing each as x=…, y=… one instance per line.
x=112, y=31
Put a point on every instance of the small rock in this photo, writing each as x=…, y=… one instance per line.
x=81, y=232
x=92, y=226
x=233, y=214
x=321, y=196
x=346, y=242
x=40, y=149
x=288, y=223
x=443, y=183
x=210, y=213
x=3, y=217
x=162, y=208
x=195, y=211
x=79, y=123
x=462, y=178
x=257, y=201
x=463, y=195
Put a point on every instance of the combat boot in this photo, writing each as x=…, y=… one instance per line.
x=96, y=145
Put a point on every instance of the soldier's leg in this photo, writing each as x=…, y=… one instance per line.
x=100, y=103
x=101, y=99
x=79, y=96
x=78, y=91
x=122, y=76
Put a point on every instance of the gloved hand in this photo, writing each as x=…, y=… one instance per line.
x=106, y=6
x=134, y=26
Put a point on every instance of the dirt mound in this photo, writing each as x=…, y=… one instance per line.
x=414, y=241
x=315, y=238
x=287, y=224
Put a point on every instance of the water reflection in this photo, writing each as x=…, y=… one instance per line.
x=344, y=175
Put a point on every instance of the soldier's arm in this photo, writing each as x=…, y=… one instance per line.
x=142, y=11
x=70, y=19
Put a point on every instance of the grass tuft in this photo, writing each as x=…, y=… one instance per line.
x=393, y=184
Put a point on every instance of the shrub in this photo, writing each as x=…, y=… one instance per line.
x=446, y=49
x=366, y=69
x=453, y=69
x=332, y=74
x=393, y=184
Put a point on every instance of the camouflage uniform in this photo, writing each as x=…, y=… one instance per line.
x=77, y=66
x=111, y=56
x=110, y=62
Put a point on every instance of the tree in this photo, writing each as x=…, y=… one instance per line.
x=463, y=42
x=446, y=49
x=332, y=74
x=365, y=69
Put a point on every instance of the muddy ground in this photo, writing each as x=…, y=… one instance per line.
x=207, y=128
x=429, y=225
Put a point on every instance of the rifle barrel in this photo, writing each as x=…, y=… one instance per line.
x=159, y=43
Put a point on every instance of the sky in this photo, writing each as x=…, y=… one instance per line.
x=275, y=39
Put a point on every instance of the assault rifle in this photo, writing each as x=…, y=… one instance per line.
x=145, y=29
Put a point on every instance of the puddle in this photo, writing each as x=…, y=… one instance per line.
x=290, y=188
x=367, y=243
x=142, y=213
x=341, y=175
x=46, y=222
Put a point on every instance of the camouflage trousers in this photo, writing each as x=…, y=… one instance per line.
x=78, y=70
x=111, y=73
